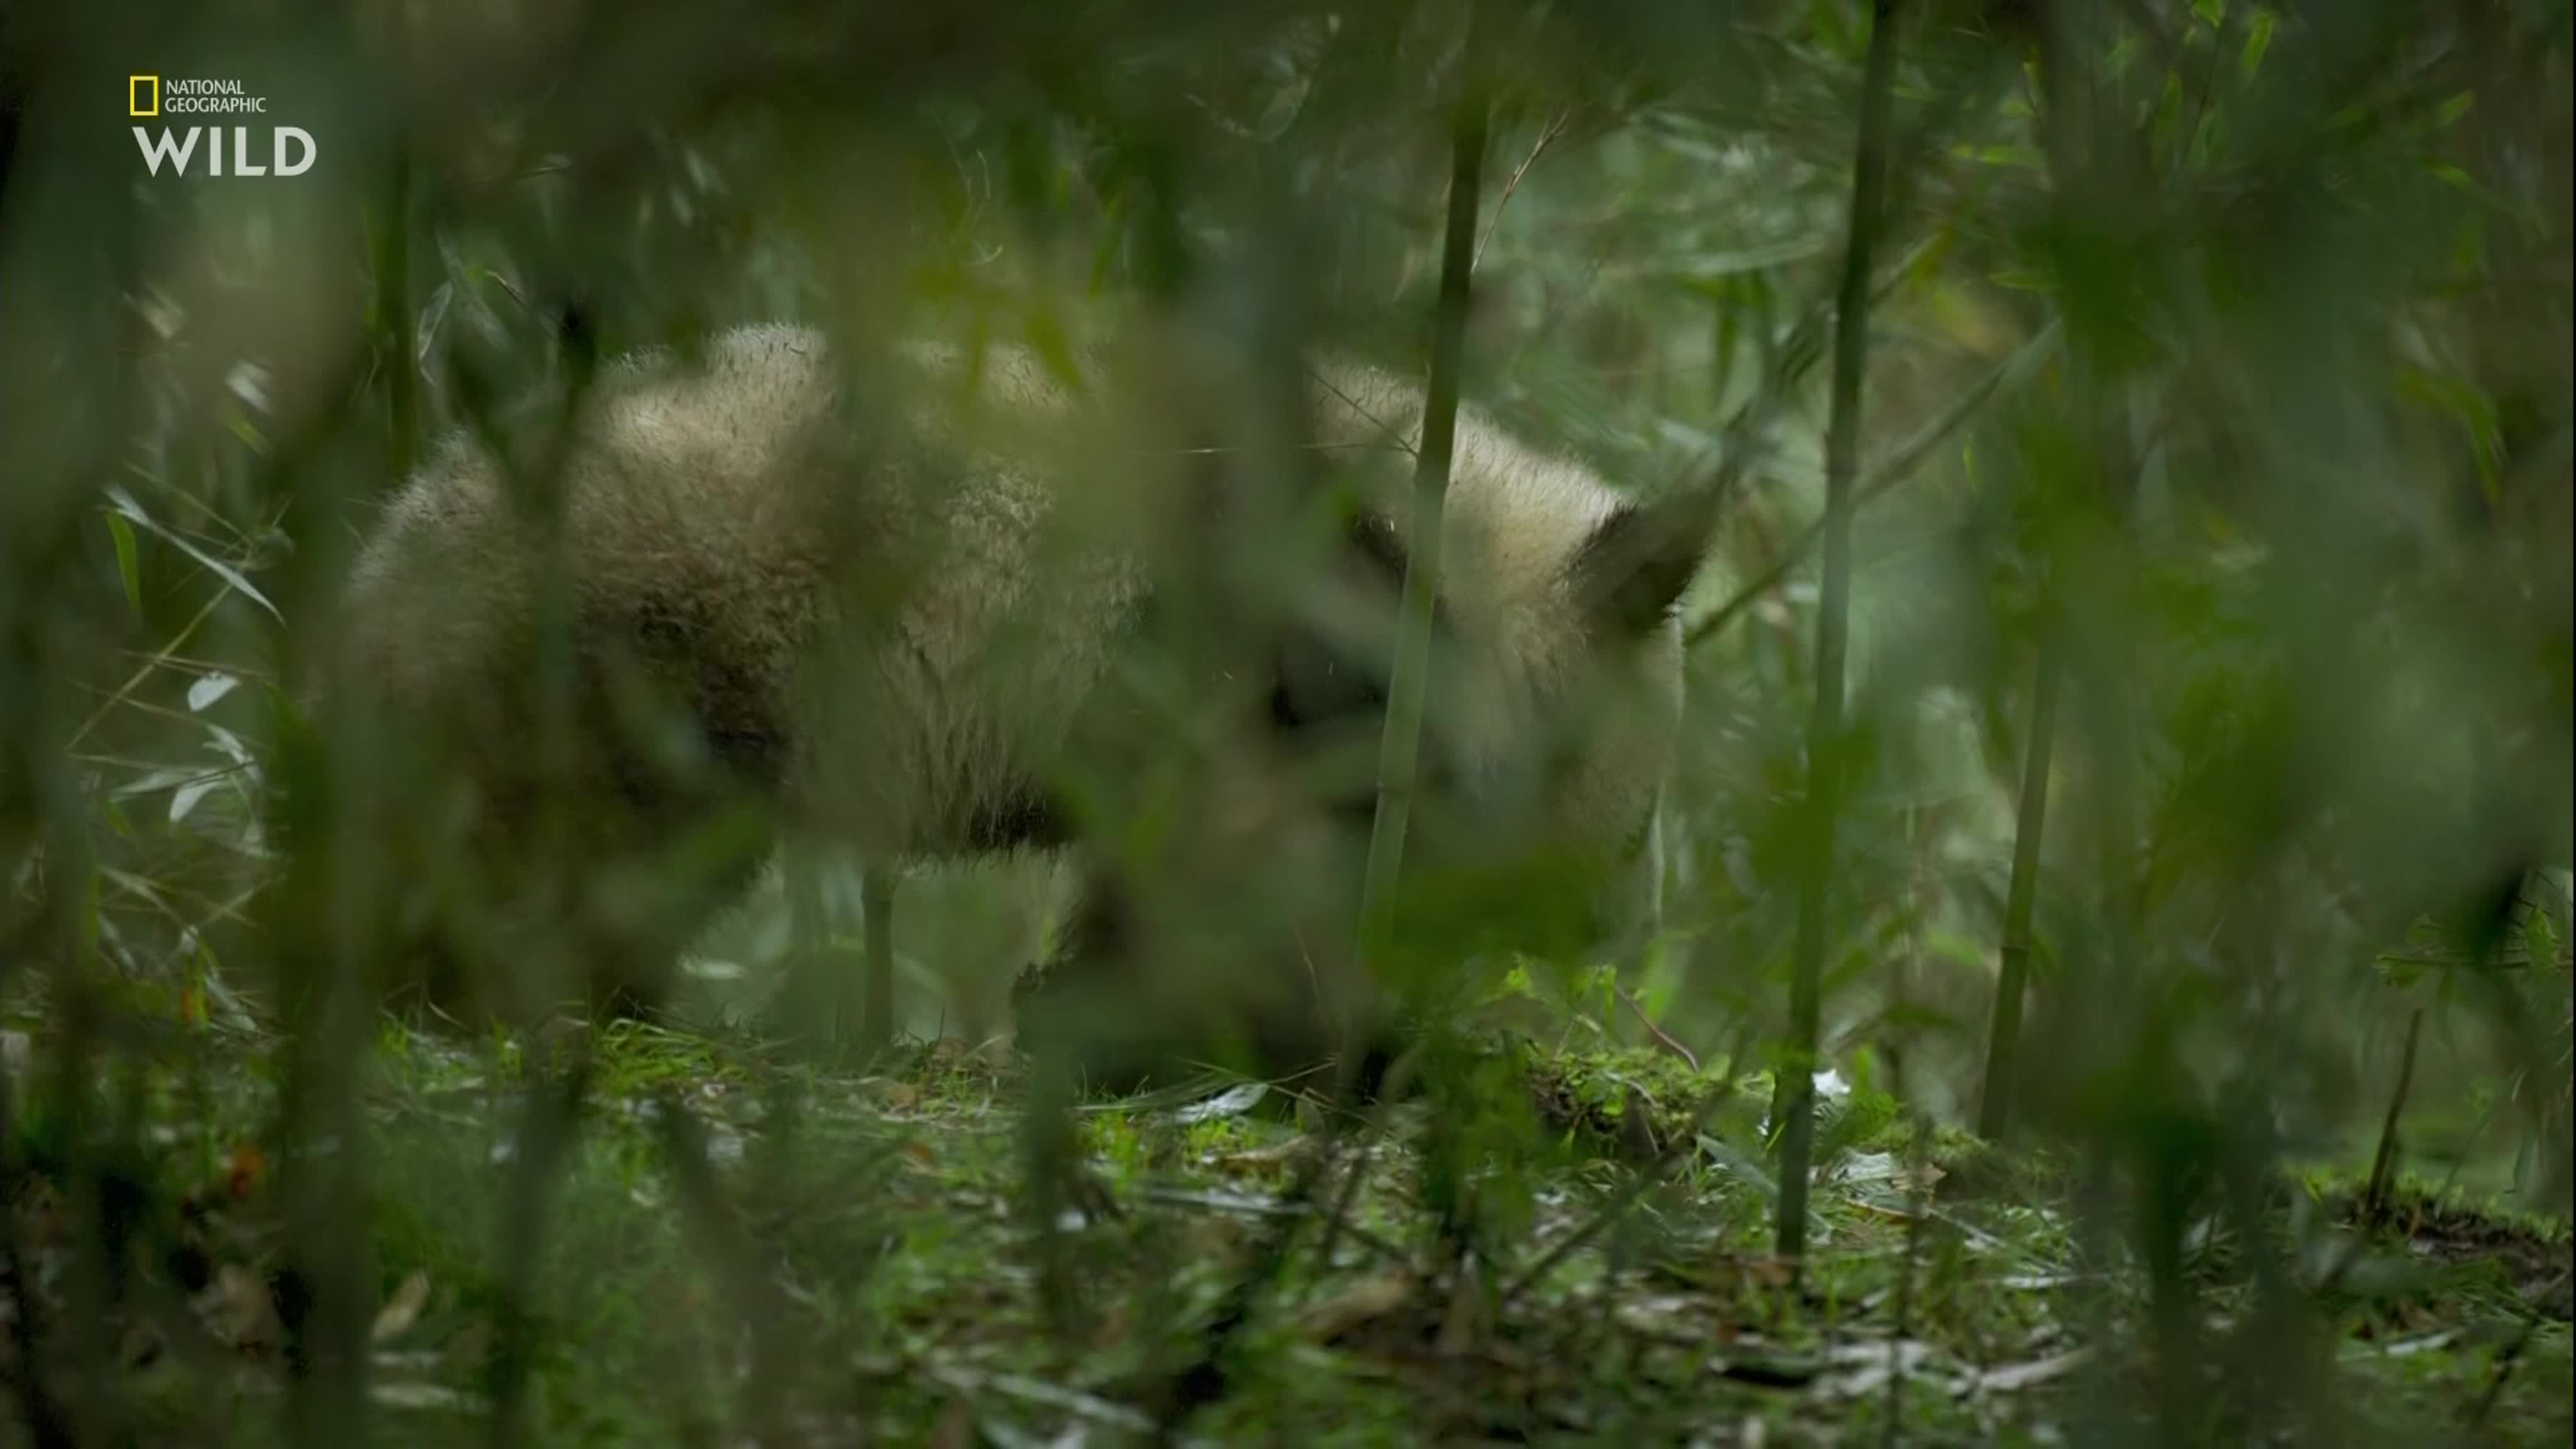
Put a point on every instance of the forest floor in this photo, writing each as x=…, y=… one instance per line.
x=838, y=1258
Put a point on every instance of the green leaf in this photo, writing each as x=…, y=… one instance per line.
x=124, y=503
x=1702, y=270
x=2468, y=248
x=2471, y=409
x=2257, y=41
x=2460, y=180
x=129, y=567
x=2016, y=157
x=1735, y=1164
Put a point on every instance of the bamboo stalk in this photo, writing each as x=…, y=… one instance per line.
x=1794, y=1101
x=1400, y=747
x=1994, y=1108
x=876, y=904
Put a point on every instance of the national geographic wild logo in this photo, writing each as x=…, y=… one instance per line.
x=259, y=150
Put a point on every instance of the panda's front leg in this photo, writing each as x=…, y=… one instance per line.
x=1083, y=1009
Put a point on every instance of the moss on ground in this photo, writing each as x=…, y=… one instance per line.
x=865, y=1272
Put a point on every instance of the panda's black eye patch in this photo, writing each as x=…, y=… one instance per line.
x=1314, y=686
x=1333, y=662
x=1372, y=539
x=1334, y=656
x=1375, y=559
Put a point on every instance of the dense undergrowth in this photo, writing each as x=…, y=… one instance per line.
x=873, y=1215
x=2195, y=808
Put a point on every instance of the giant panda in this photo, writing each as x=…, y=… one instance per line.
x=901, y=605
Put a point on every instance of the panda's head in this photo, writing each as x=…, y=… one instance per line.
x=1554, y=698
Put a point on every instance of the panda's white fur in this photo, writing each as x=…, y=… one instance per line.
x=895, y=642
x=1513, y=519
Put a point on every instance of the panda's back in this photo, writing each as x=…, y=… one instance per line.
x=971, y=603
x=878, y=628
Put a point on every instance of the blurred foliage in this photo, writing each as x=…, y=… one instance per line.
x=2221, y=348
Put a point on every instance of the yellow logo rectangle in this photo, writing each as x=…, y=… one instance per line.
x=143, y=95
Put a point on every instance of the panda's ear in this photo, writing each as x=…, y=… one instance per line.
x=1631, y=572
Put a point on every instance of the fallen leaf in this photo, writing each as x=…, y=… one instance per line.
x=1287, y=1150
x=2421, y=1343
x=237, y=1310
x=2037, y=1371
x=1233, y=1102
x=1862, y=1167
x=1863, y=1369
x=893, y=1096
x=403, y=1309
x=424, y=1396
x=1362, y=1302
x=208, y=688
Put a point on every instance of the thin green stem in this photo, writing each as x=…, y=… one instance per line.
x=1796, y=1099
